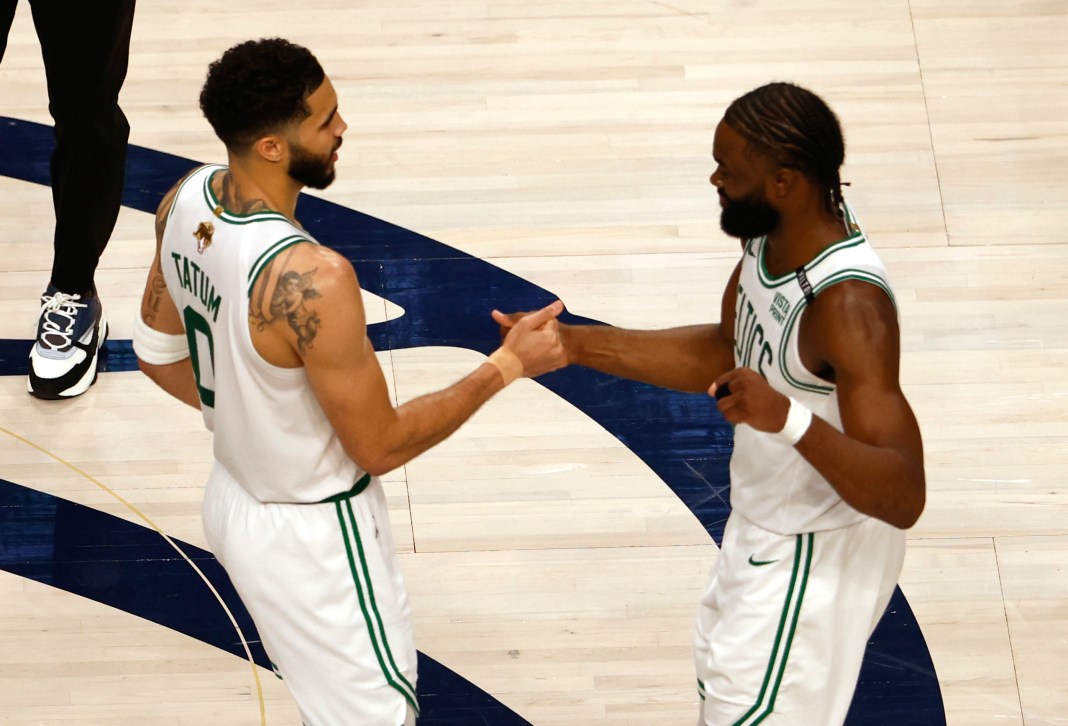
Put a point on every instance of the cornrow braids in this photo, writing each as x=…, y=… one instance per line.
x=795, y=128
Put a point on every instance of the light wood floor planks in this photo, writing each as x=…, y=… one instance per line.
x=570, y=143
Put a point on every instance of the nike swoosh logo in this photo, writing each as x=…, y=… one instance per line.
x=760, y=563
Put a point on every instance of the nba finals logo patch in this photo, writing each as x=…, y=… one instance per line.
x=203, y=234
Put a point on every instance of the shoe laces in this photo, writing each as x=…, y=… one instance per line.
x=58, y=313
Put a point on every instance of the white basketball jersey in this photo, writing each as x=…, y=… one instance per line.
x=271, y=435
x=771, y=484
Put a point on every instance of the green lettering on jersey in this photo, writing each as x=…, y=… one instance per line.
x=177, y=263
x=780, y=308
x=212, y=304
x=749, y=335
x=193, y=279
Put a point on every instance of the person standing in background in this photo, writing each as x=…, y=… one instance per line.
x=86, y=50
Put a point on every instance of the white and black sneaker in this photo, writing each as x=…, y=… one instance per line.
x=70, y=331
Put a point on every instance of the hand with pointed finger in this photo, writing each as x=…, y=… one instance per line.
x=744, y=397
x=534, y=338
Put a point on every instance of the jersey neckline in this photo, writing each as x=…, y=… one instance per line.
x=855, y=237
x=233, y=217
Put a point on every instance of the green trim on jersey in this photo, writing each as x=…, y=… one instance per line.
x=269, y=254
x=188, y=178
x=850, y=220
x=375, y=629
x=795, y=316
x=784, y=636
x=855, y=237
x=770, y=282
x=266, y=215
x=863, y=276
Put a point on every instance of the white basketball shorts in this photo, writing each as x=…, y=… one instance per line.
x=784, y=622
x=322, y=585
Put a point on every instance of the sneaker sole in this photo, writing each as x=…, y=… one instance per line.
x=74, y=383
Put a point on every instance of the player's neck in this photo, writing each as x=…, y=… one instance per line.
x=245, y=190
x=800, y=239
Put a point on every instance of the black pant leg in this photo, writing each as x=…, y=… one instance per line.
x=86, y=50
x=7, y=14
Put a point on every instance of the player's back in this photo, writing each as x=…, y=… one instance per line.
x=270, y=434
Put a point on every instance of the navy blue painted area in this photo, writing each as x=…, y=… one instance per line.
x=101, y=557
x=447, y=699
x=447, y=296
x=105, y=558
x=890, y=669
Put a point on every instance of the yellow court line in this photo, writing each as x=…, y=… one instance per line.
x=139, y=513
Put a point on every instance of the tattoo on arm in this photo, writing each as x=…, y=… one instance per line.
x=155, y=296
x=257, y=312
x=292, y=290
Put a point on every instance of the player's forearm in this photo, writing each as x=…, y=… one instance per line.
x=882, y=482
x=176, y=379
x=683, y=359
x=426, y=421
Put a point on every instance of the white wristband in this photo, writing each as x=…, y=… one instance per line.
x=155, y=347
x=507, y=363
x=798, y=419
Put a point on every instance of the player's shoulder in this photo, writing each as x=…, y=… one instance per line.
x=311, y=260
x=853, y=319
x=168, y=198
x=308, y=251
x=854, y=298
x=166, y=204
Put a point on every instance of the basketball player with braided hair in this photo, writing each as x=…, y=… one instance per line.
x=827, y=469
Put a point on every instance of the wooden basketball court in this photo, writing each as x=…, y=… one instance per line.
x=569, y=144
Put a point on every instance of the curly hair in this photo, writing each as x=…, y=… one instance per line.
x=257, y=87
x=795, y=128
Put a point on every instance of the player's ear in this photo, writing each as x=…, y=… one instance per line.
x=782, y=182
x=271, y=147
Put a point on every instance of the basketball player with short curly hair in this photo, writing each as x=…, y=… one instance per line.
x=249, y=319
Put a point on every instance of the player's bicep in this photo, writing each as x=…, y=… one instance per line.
x=862, y=345
x=158, y=310
x=877, y=414
x=721, y=354
x=341, y=365
x=351, y=389
x=727, y=311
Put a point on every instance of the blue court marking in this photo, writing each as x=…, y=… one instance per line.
x=104, y=558
x=447, y=295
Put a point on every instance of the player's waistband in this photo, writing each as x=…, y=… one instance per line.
x=362, y=483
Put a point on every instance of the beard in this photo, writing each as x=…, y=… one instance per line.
x=310, y=170
x=748, y=218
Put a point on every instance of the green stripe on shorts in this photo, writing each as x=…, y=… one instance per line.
x=784, y=636
x=365, y=593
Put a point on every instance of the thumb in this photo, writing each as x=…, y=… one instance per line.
x=505, y=319
x=540, y=317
